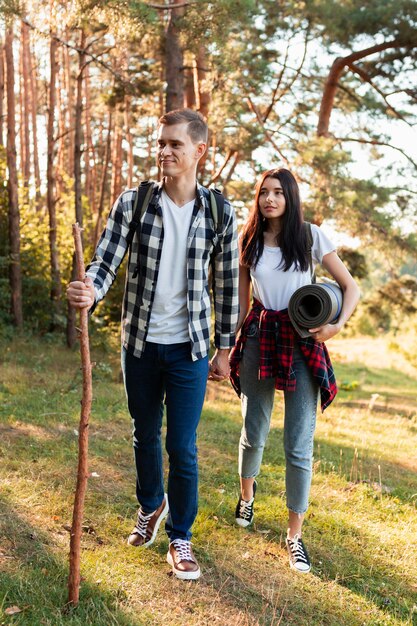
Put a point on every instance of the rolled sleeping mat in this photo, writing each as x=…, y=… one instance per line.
x=314, y=305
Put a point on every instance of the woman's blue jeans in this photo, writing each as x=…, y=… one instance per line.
x=299, y=423
x=166, y=372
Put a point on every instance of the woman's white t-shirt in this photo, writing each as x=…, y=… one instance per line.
x=272, y=286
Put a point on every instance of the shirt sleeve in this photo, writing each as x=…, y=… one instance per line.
x=112, y=246
x=226, y=278
x=322, y=245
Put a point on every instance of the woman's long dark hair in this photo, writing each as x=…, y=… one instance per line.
x=292, y=239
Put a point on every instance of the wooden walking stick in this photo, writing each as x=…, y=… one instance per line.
x=82, y=474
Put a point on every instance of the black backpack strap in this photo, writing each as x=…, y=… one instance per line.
x=143, y=196
x=309, y=242
x=217, y=209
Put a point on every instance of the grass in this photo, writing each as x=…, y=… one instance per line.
x=360, y=530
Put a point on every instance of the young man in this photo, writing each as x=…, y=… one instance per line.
x=166, y=326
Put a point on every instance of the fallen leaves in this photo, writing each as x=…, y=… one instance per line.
x=12, y=610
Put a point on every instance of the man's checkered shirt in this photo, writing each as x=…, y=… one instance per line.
x=143, y=267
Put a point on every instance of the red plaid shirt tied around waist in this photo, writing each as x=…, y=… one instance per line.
x=276, y=341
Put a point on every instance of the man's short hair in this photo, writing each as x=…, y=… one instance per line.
x=196, y=124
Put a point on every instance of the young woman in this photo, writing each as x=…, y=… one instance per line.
x=269, y=354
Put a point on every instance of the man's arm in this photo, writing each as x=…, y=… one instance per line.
x=226, y=277
x=108, y=256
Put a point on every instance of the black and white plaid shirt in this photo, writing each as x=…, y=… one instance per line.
x=143, y=267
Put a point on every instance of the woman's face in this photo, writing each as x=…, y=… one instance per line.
x=271, y=199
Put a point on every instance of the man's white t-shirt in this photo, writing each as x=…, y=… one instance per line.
x=168, y=323
x=272, y=286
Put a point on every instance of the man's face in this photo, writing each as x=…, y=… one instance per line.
x=177, y=155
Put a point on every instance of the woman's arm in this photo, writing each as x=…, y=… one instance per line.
x=338, y=270
x=244, y=295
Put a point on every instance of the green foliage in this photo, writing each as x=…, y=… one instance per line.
x=35, y=259
x=9, y=8
x=355, y=261
x=265, y=65
x=211, y=22
x=408, y=349
x=392, y=306
x=347, y=20
x=348, y=385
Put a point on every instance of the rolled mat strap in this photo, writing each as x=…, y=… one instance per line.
x=315, y=305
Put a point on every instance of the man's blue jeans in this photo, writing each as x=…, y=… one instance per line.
x=166, y=372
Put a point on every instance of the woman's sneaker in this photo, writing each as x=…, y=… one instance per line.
x=298, y=554
x=244, y=510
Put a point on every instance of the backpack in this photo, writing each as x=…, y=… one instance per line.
x=144, y=194
x=309, y=241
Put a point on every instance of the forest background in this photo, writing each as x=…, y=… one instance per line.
x=325, y=88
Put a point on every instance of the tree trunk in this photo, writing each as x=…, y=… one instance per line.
x=150, y=158
x=1, y=92
x=174, y=63
x=103, y=183
x=70, y=109
x=21, y=126
x=129, y=140
x=33, y=112
x=24, y=44
x=50, y=193
x=78, y=134
x=90, y=157
x=203, y=95
x=14, y=216
x=82, y=473
x=71, y=318
x=62, y=116
x=203, y=98
x=116, y=158
x=189, y=88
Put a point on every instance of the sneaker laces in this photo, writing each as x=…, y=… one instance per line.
x=183, y=548
x=142, y=523
x=245, y=508
x=297, y=549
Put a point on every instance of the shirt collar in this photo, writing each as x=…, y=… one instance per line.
x=200, y=195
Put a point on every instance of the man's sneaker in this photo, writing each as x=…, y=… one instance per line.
x=298, y=554
x=182, y=560
x=244, y=510
x=147, y=525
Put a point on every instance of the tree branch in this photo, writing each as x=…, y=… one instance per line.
x=232, y=168
x=77, y=49
x=289, y=85
x=266, y=132
x=280, y=77
x=168, y=7
x=332, y=81
x=375, y=142
x=350, y=93
x=365, y=76
x=406, y=190
x=218, y=172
